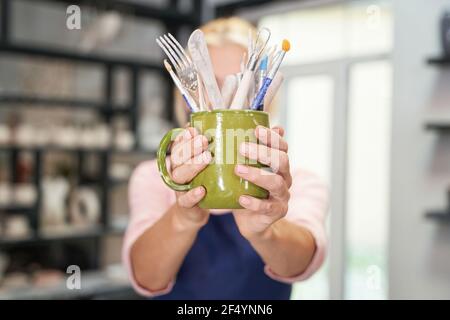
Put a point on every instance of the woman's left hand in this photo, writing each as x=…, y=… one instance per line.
x=258, y=215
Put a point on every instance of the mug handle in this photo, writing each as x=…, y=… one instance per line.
x=161, y=160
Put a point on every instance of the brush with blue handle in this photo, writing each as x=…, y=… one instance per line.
x=258, y=101
x=262, y=70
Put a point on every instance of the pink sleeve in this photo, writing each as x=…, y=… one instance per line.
x=308, y=207
x=149, y=198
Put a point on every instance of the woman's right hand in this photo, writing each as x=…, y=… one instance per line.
x=189, y=156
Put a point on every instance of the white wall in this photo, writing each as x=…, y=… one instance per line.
x=419, y=248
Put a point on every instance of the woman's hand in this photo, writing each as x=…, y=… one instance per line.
x=189, y=156
x=259, y=214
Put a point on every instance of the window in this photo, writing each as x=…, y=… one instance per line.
x=367, y=198
x=310, y=101
x=336, y=109
x=352, y=29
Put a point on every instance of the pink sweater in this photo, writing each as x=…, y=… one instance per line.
x=150, y=198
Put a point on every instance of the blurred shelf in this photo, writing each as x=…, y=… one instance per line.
x=136, y=9
x=71, y=55
x=92, y=181
x=71, y=235
x=438, y=121
x=119, y=182
x=228, y=8
x=116, y=230
x=95, y=285
x=440, y=216
x=135, y=152
x=17, y=209
x=440, y=61
x=438, y=126
x=45, y=238
x=9, y=148
x=49, y=102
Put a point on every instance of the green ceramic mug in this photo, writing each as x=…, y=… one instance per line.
x=225, y=130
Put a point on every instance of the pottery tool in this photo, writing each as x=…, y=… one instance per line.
x=229, y=87
x=200, y=55
x=273, y=89
x=249, y=43
x=251, y=90
x=260, y=44
x=187, y=97
x=243, y=62
x=257, y=102
x=201, y=97
x=262, y=70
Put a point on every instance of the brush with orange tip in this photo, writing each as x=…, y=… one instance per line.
x=258, y=101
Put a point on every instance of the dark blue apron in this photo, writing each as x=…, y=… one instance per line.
x=223, y=265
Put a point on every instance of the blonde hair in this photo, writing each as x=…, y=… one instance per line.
x=228, y=30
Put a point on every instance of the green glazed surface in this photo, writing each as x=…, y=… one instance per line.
x=225, y=130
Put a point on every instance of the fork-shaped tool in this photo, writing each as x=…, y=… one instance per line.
x=182, y=63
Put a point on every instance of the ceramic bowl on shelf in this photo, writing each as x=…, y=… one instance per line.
x=6, y=194
x=16, y=227
x=5, y=135
x=24, y=135
x=124, y=140
x=24, y=194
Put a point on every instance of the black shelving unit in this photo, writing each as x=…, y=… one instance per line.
x=18, y=101
x=42, y=238
x=89, y=58
x=169, y=15
x=230, y=8
x=440, y=127
x=440, y=216
x=172, y=19
x=440, y=61
x=96, y=285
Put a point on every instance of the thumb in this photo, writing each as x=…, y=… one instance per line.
x=191, y=198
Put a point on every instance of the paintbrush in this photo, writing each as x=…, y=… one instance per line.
x=257, y=102
x=228, y=88
x=262, y=70
x=241, y=94
x=273, y=89
x=201, y=97
x=187, y=97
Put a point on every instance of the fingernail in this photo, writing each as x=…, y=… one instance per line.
x=198, y=191
x=241, y=169
x=244, y=200
x=187, y=134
